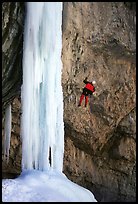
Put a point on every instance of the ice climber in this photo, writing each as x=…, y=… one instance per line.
x=88, y=90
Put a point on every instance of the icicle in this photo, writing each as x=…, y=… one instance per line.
x=7, y=130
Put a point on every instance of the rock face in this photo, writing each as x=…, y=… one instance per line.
x=12, y=46
x=100, y=140
x=99, y=39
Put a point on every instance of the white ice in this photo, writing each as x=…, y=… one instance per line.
x=7, y=131
x=42, y=127
x=42, y=186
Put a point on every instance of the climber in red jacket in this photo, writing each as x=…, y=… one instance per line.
x=89, y=89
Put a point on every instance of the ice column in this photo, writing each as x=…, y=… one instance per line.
x=42, y=127
x=7, y=131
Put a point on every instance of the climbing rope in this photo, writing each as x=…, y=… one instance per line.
x=82, y=23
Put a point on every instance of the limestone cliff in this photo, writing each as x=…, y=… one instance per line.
x=99, y=41
x=12, y=46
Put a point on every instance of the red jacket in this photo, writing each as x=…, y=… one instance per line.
x=90, y=87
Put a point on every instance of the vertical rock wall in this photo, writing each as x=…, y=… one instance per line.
x=12, y=46
x=100, y=150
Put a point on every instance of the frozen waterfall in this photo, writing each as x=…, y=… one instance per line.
x=42, y=127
